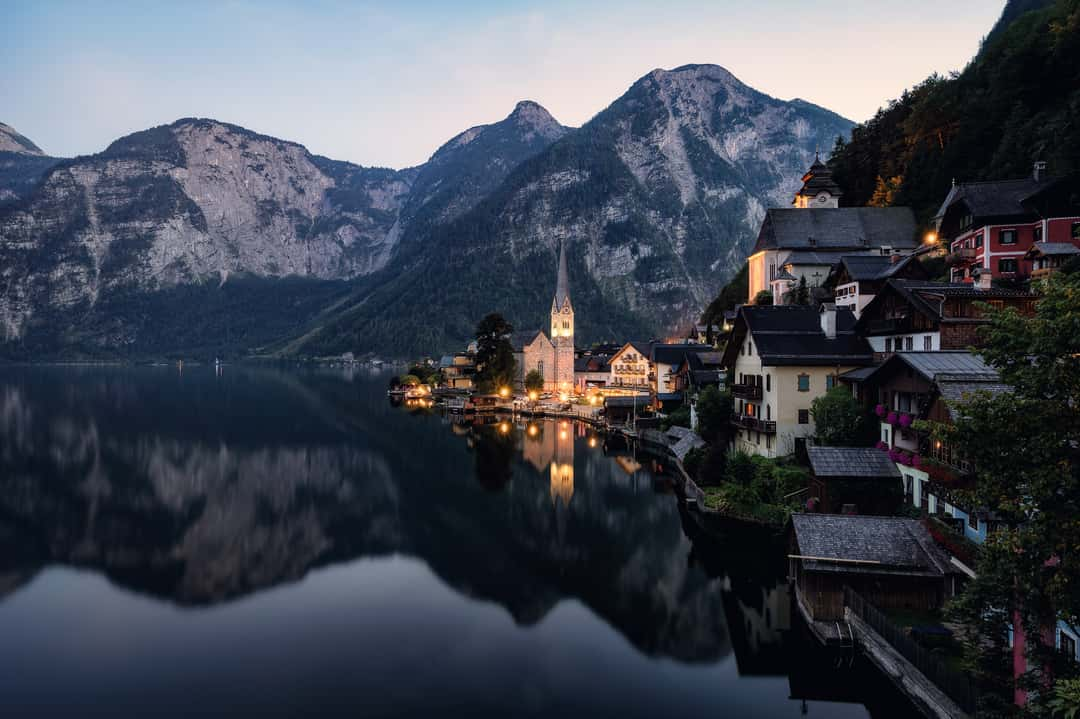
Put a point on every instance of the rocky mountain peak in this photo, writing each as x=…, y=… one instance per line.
x=12, y=141
x=534, y=116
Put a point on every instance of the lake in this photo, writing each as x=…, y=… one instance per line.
x=280, y=542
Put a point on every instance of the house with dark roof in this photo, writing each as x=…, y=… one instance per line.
x=591, y=371
x=893, y=562
x=783, y=357
x=853, y=480
x=990, y=226
x=700, y=370
x=1046, y=258
x=856, y=279
x=804, y=241
x=914, y=315
x=665, y=360
x=913, y=386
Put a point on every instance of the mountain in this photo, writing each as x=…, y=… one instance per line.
x=204, y=236
x=659, y=198
x=22, y=164
x=1014, y=104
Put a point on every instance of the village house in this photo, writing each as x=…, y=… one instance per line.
x=783, y=358
x=665, y=359
x=914, y=315
x=552, y=357
x=853, y=480
x=591, y=371
x=989, y=227
x=856, y=279
x=700, y=370
x=892, y=562
x=806, y=241
x=458, y=370
x=631, y=367
x=1046, y=258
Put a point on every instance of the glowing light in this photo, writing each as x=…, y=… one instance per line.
x=504, y=427
x=563, y=434
x=504, y=391
x=592, y=442
x=563, y=396
x=533, y=430
x=533, y=395
x=931, y=238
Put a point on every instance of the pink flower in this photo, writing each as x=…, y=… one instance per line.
x=891, y=418
x=916, y=460
x=880, y=410
x=881, y=445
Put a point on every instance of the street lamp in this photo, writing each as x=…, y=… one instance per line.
x=504, y=392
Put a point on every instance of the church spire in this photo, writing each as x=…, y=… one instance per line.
x=562, y=285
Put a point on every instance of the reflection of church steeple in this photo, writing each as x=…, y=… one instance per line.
x=562, y=466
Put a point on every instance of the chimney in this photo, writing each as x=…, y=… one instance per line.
x=985, y=279
x=1039, y=173
x=828, y=319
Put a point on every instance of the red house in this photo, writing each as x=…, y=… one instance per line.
x=990, y=226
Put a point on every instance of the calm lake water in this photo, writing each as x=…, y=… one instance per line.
x=279, y=543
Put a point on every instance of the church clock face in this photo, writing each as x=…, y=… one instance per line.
x=821, y=198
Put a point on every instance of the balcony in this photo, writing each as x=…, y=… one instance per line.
x=890, y=326
x=746, y=391
x=747, y=422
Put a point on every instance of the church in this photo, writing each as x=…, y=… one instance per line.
x=552, y=357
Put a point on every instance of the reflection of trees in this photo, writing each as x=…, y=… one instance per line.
x=495, y=453
x=202, y=497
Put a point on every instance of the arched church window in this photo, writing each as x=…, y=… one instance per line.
x=540, y=367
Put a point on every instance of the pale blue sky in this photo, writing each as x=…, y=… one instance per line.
x=385, y=83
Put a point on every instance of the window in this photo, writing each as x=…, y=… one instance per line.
x=1008, y=237
x=1067, y=645
x=768, y=441
x=768, y=412
x=768, y=383
x=1007, y=264
x=978, y=240
x=973, y=521
x=749, y=349
x=888, y=344
x=757, y=437
x=909, y=343
x=750, y=410
x=927, y=343
x=1076, y=230
x=830, y=381
x=804, y=383
x=804, y=416
x=1037, y=233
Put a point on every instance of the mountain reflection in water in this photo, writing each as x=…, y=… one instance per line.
x=196, y=491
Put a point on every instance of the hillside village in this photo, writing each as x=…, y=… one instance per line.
x=846, y=309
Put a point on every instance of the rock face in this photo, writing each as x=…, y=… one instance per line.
x=22, y=164
x=658, y=198
x=12, y=141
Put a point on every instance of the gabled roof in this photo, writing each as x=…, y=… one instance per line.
x=642, y=348
x=674, y=354
x=995, y=198
x=809, y=257
x=926, y=297
x=521, y=339
x=1047, y=249
x=889, y=544
x=861, y=462
x=791, y=335
x=562, y=284
x=591, y=363
x=844, y=228
x=868, y=268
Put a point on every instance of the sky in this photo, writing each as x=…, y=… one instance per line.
x=386, y=83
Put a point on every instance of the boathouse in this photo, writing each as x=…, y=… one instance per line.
x=892, y=562
x=854, y=480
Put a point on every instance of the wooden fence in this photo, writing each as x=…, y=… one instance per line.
x=955, y=684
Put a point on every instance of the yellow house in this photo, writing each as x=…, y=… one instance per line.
x=784, y=357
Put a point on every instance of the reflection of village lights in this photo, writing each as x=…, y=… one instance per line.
x=504, y=427
x=504, y=391
x=533, y=430
x=563, y=434
x=533, y=395
x=592, y=442
x=563, y=396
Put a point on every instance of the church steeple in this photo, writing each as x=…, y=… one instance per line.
x=819, y=189
x=562, y=283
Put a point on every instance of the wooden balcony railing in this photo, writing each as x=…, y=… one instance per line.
x=746, y=422
x=746, y=391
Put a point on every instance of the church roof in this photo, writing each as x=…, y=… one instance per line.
x=521, y=339
x=833, y=229
x=562, y=284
